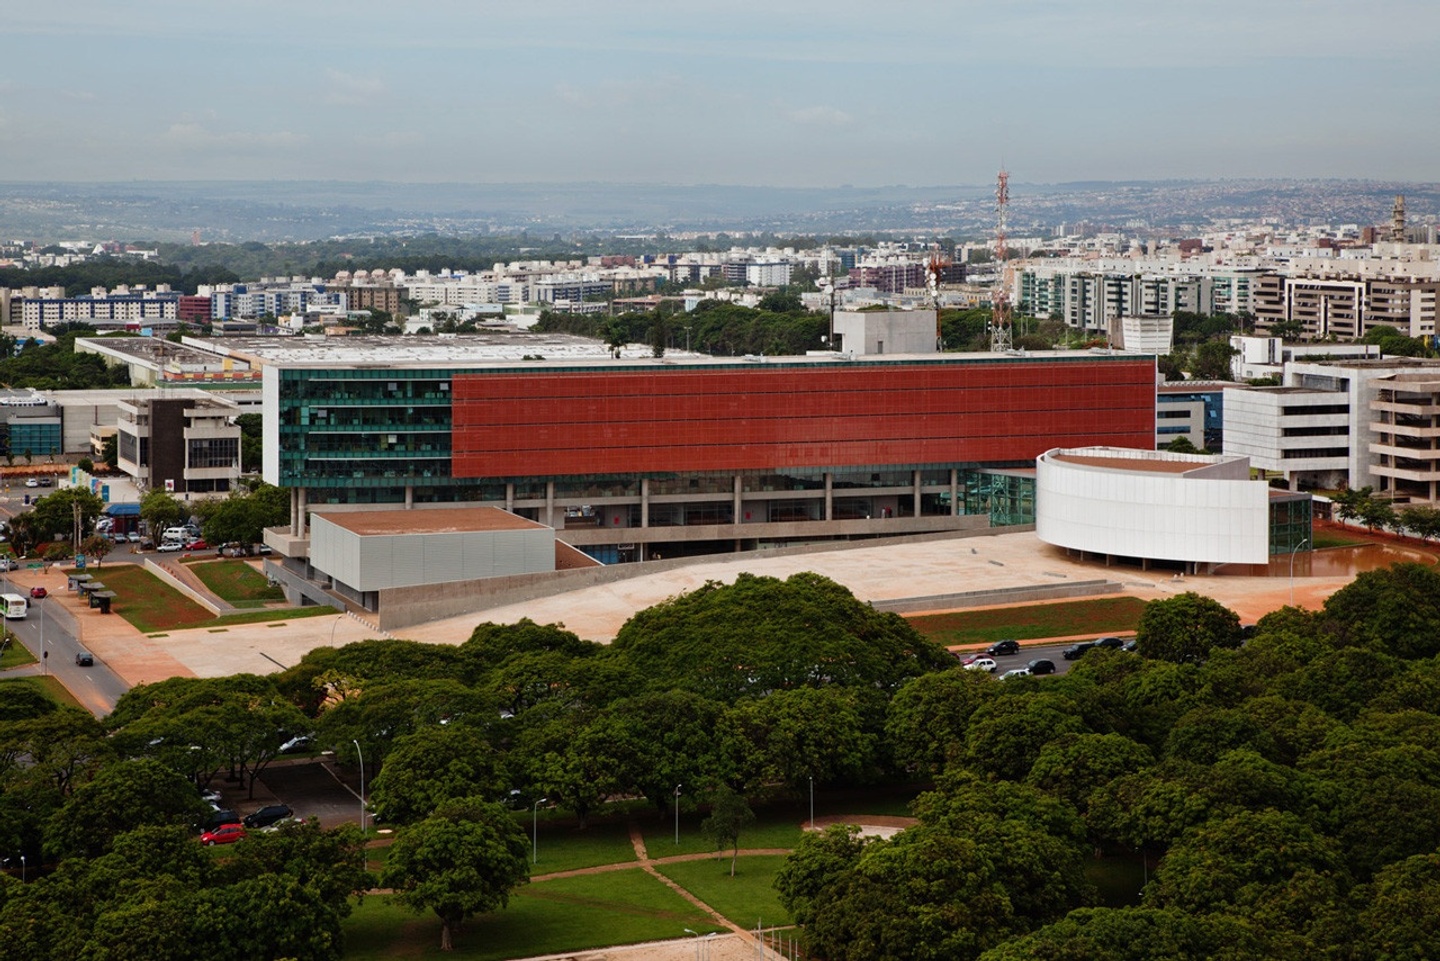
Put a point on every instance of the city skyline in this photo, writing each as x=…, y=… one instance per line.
x=806, y=94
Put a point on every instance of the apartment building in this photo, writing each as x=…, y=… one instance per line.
x=1337, y=423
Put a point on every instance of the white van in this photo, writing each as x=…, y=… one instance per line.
x=178, y=534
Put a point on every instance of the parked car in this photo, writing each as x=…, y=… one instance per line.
x=981, y=664
x=1015, y=672
x=297, y=744
x=220, y=816
x=197, y=545
x=1131, y=645
x=1003, y=648
x=31, y=482
x=1112, y=643
x=1041, y=666
x=168, y=546
x=47, y=482
x=39, y=592
x=210, y=794
x=224, y=834
x=1077, y=650
x=85, y=659
x=267, y=815
x=133, y=537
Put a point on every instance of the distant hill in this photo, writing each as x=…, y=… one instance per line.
x=239, y=211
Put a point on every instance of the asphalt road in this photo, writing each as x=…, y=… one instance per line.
x=1031, y=652
x=49, y=633
x=308, y=786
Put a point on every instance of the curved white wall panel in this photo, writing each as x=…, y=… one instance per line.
x=1151, y=514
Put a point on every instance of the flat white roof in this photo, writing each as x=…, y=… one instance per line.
x=511, y=348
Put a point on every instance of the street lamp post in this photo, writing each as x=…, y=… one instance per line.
x=535, y=831
x=812, y=802
x=1302, y=543
x=356, y=742
x=677, y=813
x=22, y=869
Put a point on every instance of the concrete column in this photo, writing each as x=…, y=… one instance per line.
x=409, y=496
x=739, y=515
x=304, y=523
x=295, y=511
x=954, y=492
x=644, y=502
x=829, y=496
x=915, y=483
x=510, y=497
x=549, y=503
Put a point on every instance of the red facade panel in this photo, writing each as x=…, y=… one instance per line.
x=681, y=420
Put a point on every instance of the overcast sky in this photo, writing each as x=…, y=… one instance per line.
x=742, y=92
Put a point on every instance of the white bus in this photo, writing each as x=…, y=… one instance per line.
x=15, y=606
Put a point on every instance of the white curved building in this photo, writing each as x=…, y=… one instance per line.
x=1197, y=509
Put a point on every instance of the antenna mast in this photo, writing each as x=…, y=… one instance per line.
x=935, y=273
x=1000, y=295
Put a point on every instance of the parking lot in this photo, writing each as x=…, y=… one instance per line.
x=313, y=787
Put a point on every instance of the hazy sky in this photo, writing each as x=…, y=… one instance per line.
x=740, y=92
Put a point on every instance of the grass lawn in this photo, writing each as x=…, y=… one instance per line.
x=261, y=617
x=236, y=582
x=1101, y=615
x=746, y=898
x=551, y=917
x=564, y=847
x=16, y=655
x=778, y=825
x=148, y=602
x=775, y=827
x=154, y=606
x=1323, y=541
x=50, y=687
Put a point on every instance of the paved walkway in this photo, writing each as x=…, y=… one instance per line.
x=597, y=613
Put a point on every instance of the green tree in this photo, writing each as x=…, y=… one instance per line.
x=792, y=736
x=730, y=816
x=1073, y=766
x=432, y=765
x=1134, y=934
x=927, y=719
x=762, y=634
x=160, y=510
x=1186, y=628
x=1421, y=520
x=53, y=515
x=1397, y=917
x=464, y=860
x=124, y=796
x=580, y=760
x=1397, y=608
x=923, y=895
x=815, y=865
x=1269, y=867
x=251, y=442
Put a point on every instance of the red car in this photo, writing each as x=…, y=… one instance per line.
x=197, y=546
x=224, y=834
x=38, y=592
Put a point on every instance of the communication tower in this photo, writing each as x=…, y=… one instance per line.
x=1000, y=341
x=935, y=273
